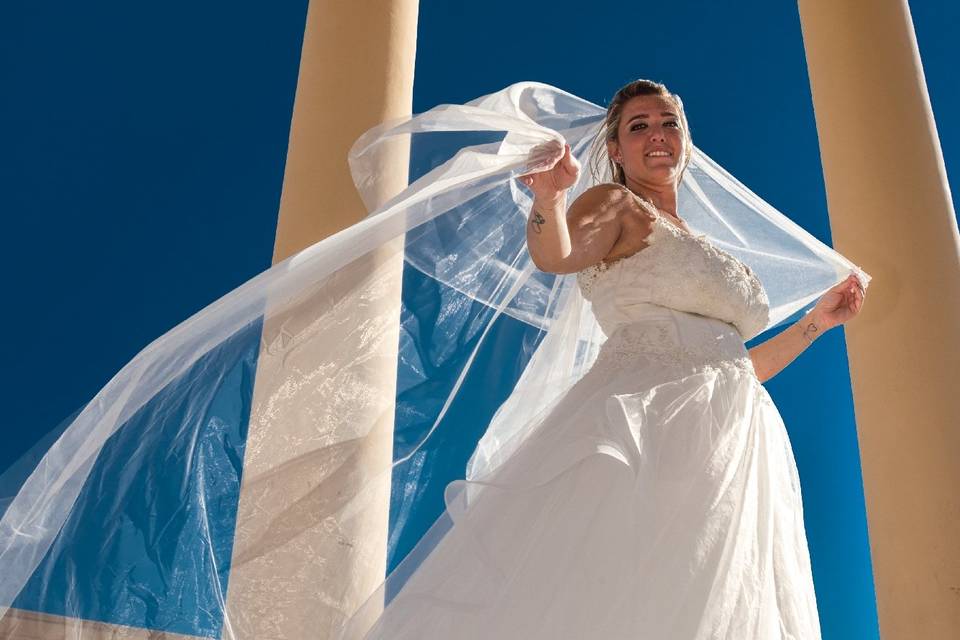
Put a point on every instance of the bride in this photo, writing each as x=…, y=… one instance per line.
x=631, y=479
x=659, y=498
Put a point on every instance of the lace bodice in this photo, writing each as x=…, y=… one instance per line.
x=678, y=271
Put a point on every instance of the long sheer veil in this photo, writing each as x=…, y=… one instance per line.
x=139, y=494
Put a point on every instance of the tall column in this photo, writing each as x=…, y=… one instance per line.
x=300, y=565
x=891, y=212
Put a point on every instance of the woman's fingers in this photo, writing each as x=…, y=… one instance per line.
x=854, y=293
x=545, y=156
x=571, y=165
x=551, y=166
x=856, y=281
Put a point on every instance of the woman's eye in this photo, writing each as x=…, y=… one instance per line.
x=634, y=127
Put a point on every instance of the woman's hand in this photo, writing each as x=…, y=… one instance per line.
x=839, y=304
x=555, y=170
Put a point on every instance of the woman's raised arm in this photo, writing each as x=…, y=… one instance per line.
x=567, y=241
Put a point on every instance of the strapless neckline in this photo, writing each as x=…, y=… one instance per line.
x=686, y=272
x=663, y=219
x=700, y=239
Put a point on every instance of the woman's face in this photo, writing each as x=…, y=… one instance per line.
x=650, y=145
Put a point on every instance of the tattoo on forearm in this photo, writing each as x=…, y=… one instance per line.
x=537, y=221
x=810, y=332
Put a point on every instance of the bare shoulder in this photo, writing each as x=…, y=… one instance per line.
x=603, y=222
x=606, y=203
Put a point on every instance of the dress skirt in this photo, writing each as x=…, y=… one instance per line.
x=658, y=500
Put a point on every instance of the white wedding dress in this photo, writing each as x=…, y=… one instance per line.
x=659, y=500
x=632, y=478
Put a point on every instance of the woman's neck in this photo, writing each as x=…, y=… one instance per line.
x=663, y=199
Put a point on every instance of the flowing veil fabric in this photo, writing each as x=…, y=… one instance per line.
x=129, y=517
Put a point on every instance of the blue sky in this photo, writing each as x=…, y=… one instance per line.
x=144, y=151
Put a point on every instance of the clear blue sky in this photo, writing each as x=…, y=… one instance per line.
x=144, y=151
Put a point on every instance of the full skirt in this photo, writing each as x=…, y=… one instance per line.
x=651, y=503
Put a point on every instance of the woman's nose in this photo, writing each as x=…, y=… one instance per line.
x=657, y=134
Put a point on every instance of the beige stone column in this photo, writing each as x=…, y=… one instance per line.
x=299, y=563
x=891, y=212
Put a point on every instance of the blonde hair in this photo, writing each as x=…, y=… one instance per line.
x=610, y=131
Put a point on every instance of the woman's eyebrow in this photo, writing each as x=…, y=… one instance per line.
x=647, y=115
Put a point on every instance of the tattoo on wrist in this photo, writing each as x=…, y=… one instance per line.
x=810, y=330
x=537, y=221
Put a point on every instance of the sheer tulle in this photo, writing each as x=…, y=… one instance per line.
x=129, y=517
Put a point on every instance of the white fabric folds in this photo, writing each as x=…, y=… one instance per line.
x=129, y=517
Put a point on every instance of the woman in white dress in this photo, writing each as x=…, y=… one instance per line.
x=659, y=499
x=636, y=481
